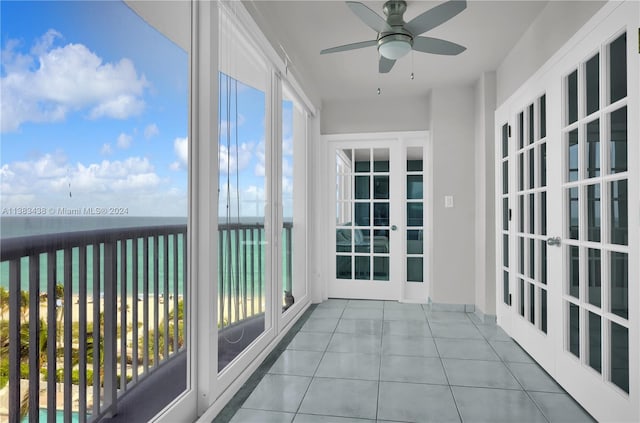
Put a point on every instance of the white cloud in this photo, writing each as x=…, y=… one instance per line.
x=106, y=149
x=49, y=180
x=259, y=169
x=236, y=158
x=65, y=79
x=151, y=131
x=124, y=141
x=181, y=148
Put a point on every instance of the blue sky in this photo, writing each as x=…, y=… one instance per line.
x=94, y=110
x=95, y=114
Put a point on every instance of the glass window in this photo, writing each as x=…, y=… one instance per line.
x=594, y=290
x=593, y=149
x=593, y=213
x=618, y=141
x=543, y=116
x=619, y=284
x=574, y=329
x=572, y=97
x=619, y=212
x=574, y=271
x=619, y=353
x=618, y=69
x=592, y=71
x=572, y=156
x=595, y=342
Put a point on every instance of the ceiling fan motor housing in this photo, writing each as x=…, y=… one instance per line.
x=397, y=42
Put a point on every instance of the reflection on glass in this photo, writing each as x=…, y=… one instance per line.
x=362, y=214
x=505, y=287
x=505, y=250
x=618, y=69
x=532, y=213
x=618, y=143
x=521, y=130
x=343, y=213
x=362, y=160
x=362, y=187
x=505, y=140
x=572, y=97
x=363, y=271
x=381, y=268
x=381, y=187
x=593, y=84
x=595, y=342
x=543, y=165
x=532, y=303
x=593, y=277
x=574, y=220
x=543, y=213
x=343, y=240
x=619, y=356
x=574, y=271
x=343, y=267
x=531, y=124
x=521, y=171
x=593, y=213
x=543, y=116
x=505, y=177
x=619, y=284
x=532, y=258
x=574, y=329
x=414, y=165
x=521, y=251
x=619, y=214
x=414, y=214
x=543, y=261
x=532, y=168
x=362, y=240
x=521, y=213
x=543, y=310
x=380, y=241
x=381, y=165
x=593, y=149
x=505, y=214
x=381, y=214
x=414, y=242
x=414, y=187
x=521, y=299
x=572, y=155
x=414, y=269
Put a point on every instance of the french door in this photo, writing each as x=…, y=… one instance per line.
x=568, y=164
x=378, y=217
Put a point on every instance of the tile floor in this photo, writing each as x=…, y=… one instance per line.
x=374, y=361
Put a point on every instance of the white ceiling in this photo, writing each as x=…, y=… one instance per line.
x=488, y=29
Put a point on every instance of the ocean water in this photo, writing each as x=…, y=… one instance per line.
x=246, y=273
x=13, y=226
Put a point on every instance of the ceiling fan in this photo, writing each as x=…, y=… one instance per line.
x=396, y=37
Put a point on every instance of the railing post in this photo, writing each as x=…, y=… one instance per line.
x=14, y=340
x=110, y=322
x=34, y=337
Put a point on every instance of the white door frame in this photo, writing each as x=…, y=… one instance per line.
x=591, y=389
x=405, y=291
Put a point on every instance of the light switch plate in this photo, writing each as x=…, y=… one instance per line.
x=448, y=201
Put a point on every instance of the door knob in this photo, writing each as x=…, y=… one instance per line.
x=394, y=227
x=554, y=241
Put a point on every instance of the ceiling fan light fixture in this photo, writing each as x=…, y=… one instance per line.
x=394, y=46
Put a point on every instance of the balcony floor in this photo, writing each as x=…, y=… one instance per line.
x=368, y=361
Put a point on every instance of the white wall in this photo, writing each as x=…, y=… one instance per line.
x=557, y=22
x=485, y=276
x=381, y=114
x=453, y=260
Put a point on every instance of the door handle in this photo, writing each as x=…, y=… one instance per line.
x=394, y=227
x=554, y=241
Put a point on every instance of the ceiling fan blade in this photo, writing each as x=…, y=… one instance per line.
x=385, y=64
x=352, y=46
x=435, y=16
x=437, y=46
x=369, y=17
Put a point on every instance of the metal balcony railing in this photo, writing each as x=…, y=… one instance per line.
x=95, y=313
